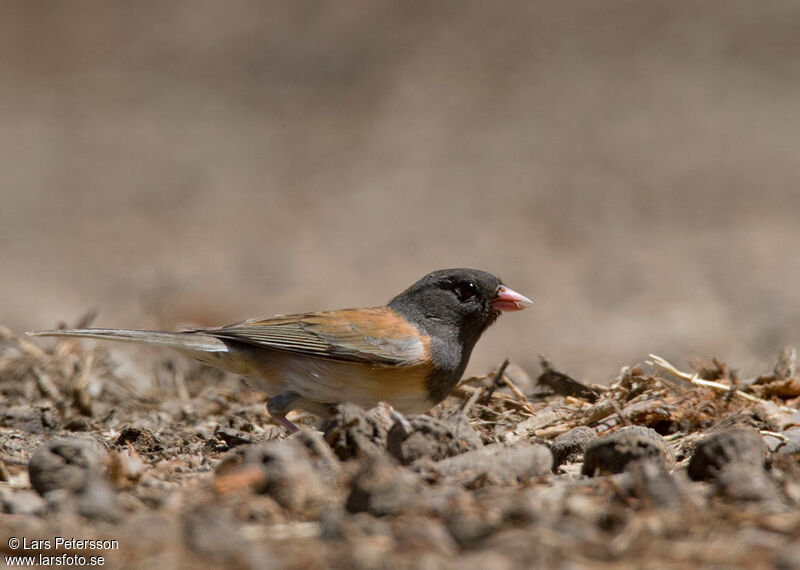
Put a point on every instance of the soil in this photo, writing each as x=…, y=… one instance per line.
x=187, y=471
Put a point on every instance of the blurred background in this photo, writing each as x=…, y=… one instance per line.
x=631, y=166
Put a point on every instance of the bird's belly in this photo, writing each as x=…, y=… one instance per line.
x=364, y=385
x=330, y=381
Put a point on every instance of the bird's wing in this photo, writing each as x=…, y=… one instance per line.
x=372, y=336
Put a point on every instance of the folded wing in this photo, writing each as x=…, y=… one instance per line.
x=377, y=336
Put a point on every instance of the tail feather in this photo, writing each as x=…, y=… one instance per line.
x=192, y=341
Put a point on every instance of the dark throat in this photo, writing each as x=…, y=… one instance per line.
x=451, y=348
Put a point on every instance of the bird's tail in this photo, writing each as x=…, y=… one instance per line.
x=196, y=341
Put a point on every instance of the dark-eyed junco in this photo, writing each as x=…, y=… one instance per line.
x=410, y=353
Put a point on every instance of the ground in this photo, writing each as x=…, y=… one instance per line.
x=181, y=466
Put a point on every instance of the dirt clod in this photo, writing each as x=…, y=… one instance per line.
x=498, y=463
x=21, y=502
x=142, y=439
x=354, y=432
x=615, y=452
x=64, y=464
x=289, y=476
x=749, y=483
x=431, y=439
x=201, y=478
x=713, y=453
x=570, y=446
x=382, y=488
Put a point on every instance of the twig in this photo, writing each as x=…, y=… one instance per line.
x=695, y=379
x=776, y=435
x=597, y=412
x=25, y=346
x=465, y=391
x=674, y=436
x=495, y=382
x=623, y=420
x=552, y=431
x=474, y=379
x=47, y=387
x=469, y=403
x=80, y=391
x=544, y=419
x=518, y=393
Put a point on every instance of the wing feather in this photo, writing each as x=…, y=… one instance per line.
x=372, y=336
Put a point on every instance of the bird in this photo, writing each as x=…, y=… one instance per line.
x=410, y=353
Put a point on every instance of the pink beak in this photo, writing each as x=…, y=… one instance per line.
x=509, y=300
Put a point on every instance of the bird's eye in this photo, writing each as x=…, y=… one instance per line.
x=465, y=290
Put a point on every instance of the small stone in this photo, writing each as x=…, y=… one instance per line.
x=337, y=524
x=748, y=483
x=79, y=424
x=289, y=475
x=498, y=463
x=21, y=502
x=232, y=437
x=653, y=483
x=424, y=534
x=613, y=453
x=64, y=464
x=142, y=439
x=382, y=488
x=354, y=432
x=470, y=520
x=320, y=453
x=213, y=533
x=98, y=501
x=570, y=446
x=25, y=418
x=740, y=445
x=792, y=444
x=431, y=439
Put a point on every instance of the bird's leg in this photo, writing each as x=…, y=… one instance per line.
x=281, y=405
x=284, y=403
x=402, y=420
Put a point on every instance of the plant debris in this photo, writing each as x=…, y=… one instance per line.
x=181, y=466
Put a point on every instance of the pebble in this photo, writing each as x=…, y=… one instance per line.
x=570, y=446
x=383, y=488
x=431, y=439
x=354, y=432
x=64, y=464
x=712, y=453
x=615, y=452
x=498, y=463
